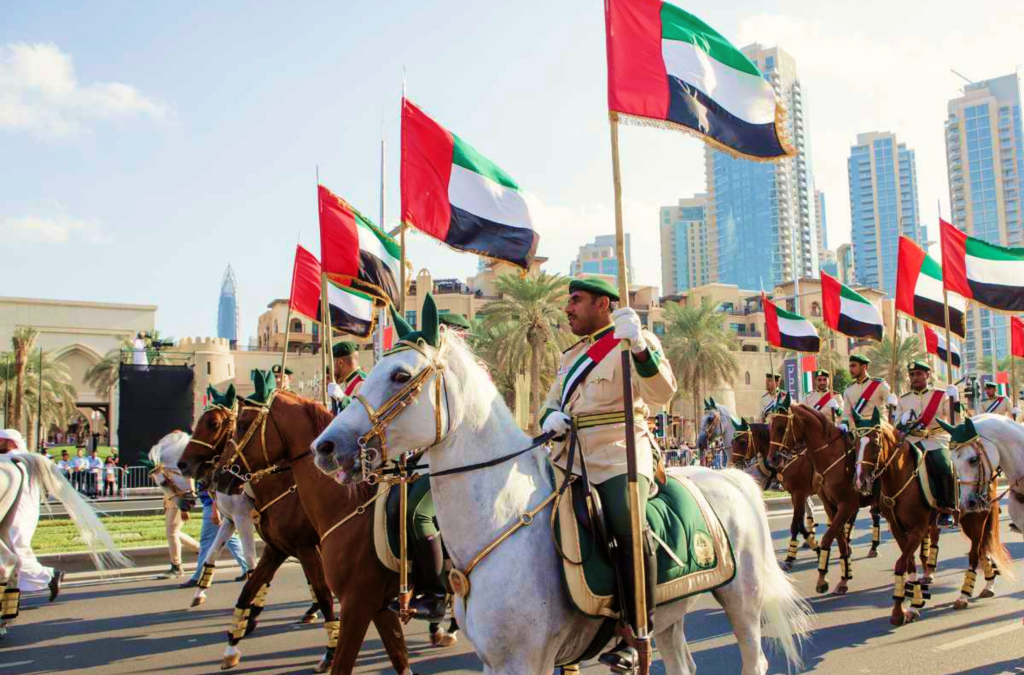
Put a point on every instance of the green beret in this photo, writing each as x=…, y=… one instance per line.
x=991, y=384
x=776, y=376
x=595, y=286
x=456, y=321
x=822, y=373
x=276, y=370
x=344, y=349
x=860, y=358
x=918, y=365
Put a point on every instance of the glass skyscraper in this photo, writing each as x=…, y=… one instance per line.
x=227, y=308
x=684, y=245
x=985, y=161
x=762, y=215
x=883, y=205
x=599, y=258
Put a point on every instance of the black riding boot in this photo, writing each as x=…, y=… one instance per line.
x=623, y=658
x=431, y=603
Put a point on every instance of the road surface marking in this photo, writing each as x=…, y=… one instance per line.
x=978, y=638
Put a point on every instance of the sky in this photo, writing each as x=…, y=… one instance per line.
x=145, y=146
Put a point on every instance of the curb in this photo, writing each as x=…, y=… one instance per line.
x=81, y=566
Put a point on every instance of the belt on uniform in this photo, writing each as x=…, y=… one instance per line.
x=599, y=419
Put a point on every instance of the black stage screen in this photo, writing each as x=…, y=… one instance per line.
x=155, y=400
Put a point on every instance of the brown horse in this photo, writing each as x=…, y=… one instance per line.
x=276, y=436
x=832, y=463
x=282, y=524
x=750, y=444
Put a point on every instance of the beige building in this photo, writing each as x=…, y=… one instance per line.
x=687, y=254
x=79, y=334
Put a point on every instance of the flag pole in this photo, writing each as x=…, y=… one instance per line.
x=325, y=315
x=378, y=342
x=949, y=353
x=643, y=645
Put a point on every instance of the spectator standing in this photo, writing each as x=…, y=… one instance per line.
x=79, y=467
x=65, y=464
x=95, y=479
x=110, y=478
x=211, y=523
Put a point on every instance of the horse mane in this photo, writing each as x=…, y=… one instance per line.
x=176, y=440
x=762, y=434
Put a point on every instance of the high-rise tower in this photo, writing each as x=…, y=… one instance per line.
x=685, y=254
x=762, y=215
x=227, y=308
x=985, y=161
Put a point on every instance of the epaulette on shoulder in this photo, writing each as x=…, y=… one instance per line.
x=878, y=379
x=573, y=346
x=907, y=394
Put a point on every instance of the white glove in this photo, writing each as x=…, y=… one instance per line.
x=842, y=427
x=334, y=391
x=1015, y=411
x=906, y=417
x=953, y=393
x=627, y=327
x=557, y=423
x=833, y=403
x=892, y=400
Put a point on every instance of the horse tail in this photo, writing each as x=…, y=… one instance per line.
x=99, y=542
x=785, y=613
x=992, y=545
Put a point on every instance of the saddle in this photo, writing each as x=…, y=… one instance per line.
x=694, y=553
x=934, y=472
x=386, y=535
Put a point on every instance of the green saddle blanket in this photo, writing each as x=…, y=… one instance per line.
x=694, y=554
x=935, y=473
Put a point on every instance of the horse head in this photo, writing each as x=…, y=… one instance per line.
x=781, y=433
x=742, y=447
x=416, y=398
x=975, y=460
x=212, y=430
x=875, y=441
x=164, y=457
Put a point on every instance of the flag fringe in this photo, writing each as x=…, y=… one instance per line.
x=780, y=131
x=523, y=271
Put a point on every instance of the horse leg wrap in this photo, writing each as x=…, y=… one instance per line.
x=239, y=623
x=876, y=535
x=811, y=540
x=926, y=590
x=990, y=569
x=260, y=598
x=846, y=567
x=918, y=601
x=809, y=521
x=572, y=669
x=969, y=580
x=899, y=589
x=848, y=531
x=333, y=629
x=10, y=604
x=206, y=579
x=791, y=552
x=933, y=557
x=926, y=548
x=823, y=557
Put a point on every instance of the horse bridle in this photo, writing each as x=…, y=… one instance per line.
x=168, y=474
x=746, y=457
x=861, y=432
x=263, y=415
x=222, y=438
x=787, y=452
x=385, y=414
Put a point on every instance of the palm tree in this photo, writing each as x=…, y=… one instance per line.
x=828, y=358
x=6, y=377
x=529, y=318
x=700, y=349
x=102, y=375
x=908, y=349
x=58, y=395
x=22, y=341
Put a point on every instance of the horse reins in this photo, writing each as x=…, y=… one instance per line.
x=986, y=464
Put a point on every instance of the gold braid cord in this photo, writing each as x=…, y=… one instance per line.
x=360, y=510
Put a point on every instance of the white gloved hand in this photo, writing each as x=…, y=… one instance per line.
x=906, y=417
x=557, y=423
x=833, y=403
x=334, y=391
x=892, y=400
x=953, y=393
x=842, y=427
x=628, y=327
x=1015, y=411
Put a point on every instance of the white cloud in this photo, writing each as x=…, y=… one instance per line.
x=40, y=94
x=51, y=230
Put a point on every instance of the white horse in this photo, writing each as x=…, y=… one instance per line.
x=517, y=614
x=236, y=510
x=18, y=472
x=716, y=423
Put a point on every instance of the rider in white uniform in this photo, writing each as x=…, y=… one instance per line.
x=33, y=576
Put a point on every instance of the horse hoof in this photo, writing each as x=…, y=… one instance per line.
x=322, y=667
x=841, y=590
x=873, y=553
x=229, y=662
x=912, y=615
x=807, y=545
x=197, y=601
x=786, y=565
x=897, y=619
x=308, y=618
x=986, y=594
x=822, y=587
x=928, y=579
x=443, y=639
x=961, y=603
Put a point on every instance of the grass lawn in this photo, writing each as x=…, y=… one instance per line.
x=102, y=451
x=60, y=536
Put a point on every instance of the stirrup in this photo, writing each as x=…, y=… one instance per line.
x=622, y=658
x=426, y=607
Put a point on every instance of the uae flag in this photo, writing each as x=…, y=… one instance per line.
x=1017, y=337
x=305, y=295
x=919, y=290
x=453, y=193
x=668, y=68
x=356, y=253
x=352, y=311
x=990, y=275
x=936, y=344
x=849, y=312
x=786, y=330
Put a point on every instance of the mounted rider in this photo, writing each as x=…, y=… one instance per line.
x=918, y=412
x=282, y=376
x=866, y=394
x=772, y=396
x=587, y=398
x=823, y=399
x=995, y=404
x=347, y=375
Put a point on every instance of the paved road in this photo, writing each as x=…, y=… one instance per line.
x=143, y=627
